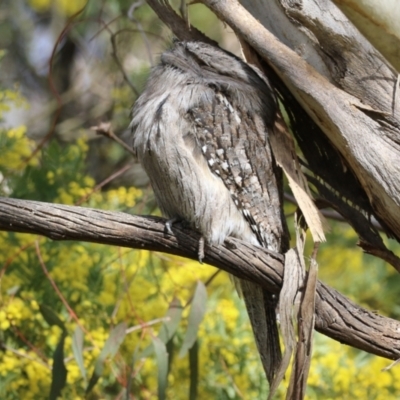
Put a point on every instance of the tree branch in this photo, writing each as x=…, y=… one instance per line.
x=336, y=316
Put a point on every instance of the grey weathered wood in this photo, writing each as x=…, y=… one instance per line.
x=378, y=21
x=336, y=316
x=352, y=102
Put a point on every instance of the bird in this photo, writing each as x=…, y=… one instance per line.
x=201, y=132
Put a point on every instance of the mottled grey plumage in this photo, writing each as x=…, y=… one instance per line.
x=201, y=133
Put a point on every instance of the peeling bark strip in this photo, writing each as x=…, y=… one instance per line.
x=353, y=107
x=336, y=316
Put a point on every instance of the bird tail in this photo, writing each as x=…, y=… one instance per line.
x=261, y=306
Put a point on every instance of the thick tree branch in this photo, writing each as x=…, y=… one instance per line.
x=336, y=316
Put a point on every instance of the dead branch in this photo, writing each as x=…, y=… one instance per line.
x=345, y=119
x=336, y=316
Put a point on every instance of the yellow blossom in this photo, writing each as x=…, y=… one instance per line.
x=4, y=323
x=68, y=7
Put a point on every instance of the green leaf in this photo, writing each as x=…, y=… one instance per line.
x=171, y=352
x=77, y=348
x=194, y=370
x=197, y=311
x=162, y=364
x=51, y=317
x=168, y=328
x=110, y=348
x=59, y=372
x=13, y=290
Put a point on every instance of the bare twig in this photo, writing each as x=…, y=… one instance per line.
x=131, y=16
x=119, y=64
x=104, y=128
x=110, y=178
x=147, y=324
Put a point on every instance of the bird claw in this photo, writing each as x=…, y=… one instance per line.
x=168, y=225
x=168, y=230
x=200, y=251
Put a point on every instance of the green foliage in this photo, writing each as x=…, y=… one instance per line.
x=67, y=7
x=196, y=314
x=109, y=350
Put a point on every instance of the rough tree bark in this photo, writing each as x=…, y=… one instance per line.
x=344, y=84
x=336, y=316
